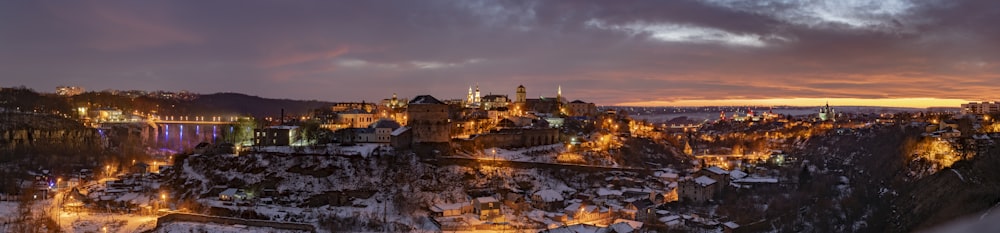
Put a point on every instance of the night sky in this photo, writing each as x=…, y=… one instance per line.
x=609, y=52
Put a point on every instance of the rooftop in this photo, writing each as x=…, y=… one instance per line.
x=425, y=99
x=486, y=199
x=704, y=181
x=717, y=170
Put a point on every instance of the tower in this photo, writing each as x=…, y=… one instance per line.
x=826, y=113
x=521, y=94
x=559, y=94
x=468, y=99
x=477, y=94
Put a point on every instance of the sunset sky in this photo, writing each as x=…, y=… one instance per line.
x=709, y=52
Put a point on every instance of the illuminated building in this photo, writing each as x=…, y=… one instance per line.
x=275, y=135
x=580, y=108
x=826, y=113
x=981, y=107
x=490, y=102
x=69, y=90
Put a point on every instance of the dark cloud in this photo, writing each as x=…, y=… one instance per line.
x=607, y=52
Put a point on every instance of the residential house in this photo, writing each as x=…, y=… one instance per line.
x=488, y=209
x=697, y=190
x=645, y=210
x=580, y=108
x=233, y=194
x=451, y=209
x=281, y=135
x=719, y=175
x=401, y=138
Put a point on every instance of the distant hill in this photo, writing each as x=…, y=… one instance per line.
x=227, y=103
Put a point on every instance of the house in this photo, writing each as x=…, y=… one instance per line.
x=636, y=194
x=383, y=130
x=645, y=209
x=697, y=190
x=140, y=167
x=718, y=174
x=582, y=212
x=378, y=132
x=730, y=227
x=450, y=209
x=281, y=135
x=232, y=194
x=580, y=108
x=950, y=133
x=488, y=209
x=400, y=138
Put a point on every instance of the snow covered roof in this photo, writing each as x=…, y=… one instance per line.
x=549, y=195
x=757, y=180
x=573, y=207
x=669, y=175
x=717, y=170
x=441, y=207
x=737, y=174
x=486, y=199
x=624, y=225
x=643, y=204
x=283, y=127
x=578, y=228
x=425, y=99
x=228, y=192
x=608, y=192
x=704, y=181
x=670, y=218
x=400, y=130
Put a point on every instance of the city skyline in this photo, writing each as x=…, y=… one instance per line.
x=677, y=53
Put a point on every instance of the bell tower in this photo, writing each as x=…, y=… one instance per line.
x=521, y=94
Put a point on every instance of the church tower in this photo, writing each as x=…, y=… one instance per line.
x=559, y=94
x=468, y=98
x=521, y=94
x=477, y=94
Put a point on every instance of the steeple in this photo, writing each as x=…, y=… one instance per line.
x=559, y=93
x=468, y=98
x=477, y=94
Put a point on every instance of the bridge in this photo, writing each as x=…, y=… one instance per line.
x=191, y=122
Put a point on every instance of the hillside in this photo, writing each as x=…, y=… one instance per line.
x=968, y=187
x=222, y=103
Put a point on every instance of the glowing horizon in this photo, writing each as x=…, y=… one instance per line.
x=806, y=102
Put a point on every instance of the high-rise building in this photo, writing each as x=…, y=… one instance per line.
x=984, y=107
